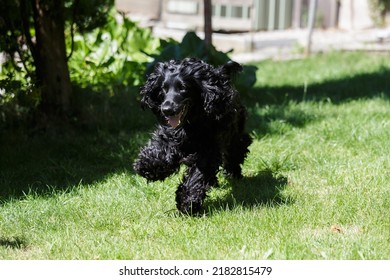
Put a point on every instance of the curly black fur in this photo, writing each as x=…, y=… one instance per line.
x=202, y=125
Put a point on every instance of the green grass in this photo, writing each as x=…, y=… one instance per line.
x=316, y=186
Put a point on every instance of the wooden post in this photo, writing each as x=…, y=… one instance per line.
x=208, y=29
x=311, y=22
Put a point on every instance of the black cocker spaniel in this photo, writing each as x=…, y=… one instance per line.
x=202, y=125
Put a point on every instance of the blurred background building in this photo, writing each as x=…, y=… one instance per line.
x=274, y=25
x=251, y=15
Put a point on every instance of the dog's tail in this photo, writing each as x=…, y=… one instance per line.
x=229, y=70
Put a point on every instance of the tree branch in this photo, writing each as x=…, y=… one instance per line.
x=26, y=27
x=72, y=29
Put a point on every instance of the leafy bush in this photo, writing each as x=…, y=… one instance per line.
x=193, y=46
x=112, y=55
x=18, y=94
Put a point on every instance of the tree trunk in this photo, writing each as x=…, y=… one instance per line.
x=50, y=57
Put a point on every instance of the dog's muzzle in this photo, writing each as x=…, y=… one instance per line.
x=176, y=120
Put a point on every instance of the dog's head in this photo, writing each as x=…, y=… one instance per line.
x=183, y=91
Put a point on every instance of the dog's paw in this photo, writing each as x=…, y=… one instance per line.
x=153, y=170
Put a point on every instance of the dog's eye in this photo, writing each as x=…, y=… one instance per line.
x=181, y=88
x=161, y=94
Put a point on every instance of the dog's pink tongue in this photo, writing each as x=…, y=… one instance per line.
x=174, y=121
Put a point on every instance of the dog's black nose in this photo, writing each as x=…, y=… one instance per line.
x=167, y=108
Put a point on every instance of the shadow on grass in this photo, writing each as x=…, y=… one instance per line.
x=104, y=139
x=42, y=164
x=278, y=119
x=13, y=243
x=360, y=86
x=264, y=189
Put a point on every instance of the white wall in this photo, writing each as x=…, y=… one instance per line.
x=355, y=14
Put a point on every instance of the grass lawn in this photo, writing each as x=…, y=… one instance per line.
x=316, y=186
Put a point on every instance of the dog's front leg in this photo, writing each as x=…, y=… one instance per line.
x=157, y=160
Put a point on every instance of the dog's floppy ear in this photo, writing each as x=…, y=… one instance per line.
x=218, y=92
x=152, y=87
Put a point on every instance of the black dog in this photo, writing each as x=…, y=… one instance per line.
x=202, y=125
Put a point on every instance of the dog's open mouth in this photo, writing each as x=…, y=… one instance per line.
x=176, y=120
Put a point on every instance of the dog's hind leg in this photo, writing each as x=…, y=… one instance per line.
x=236, y=154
